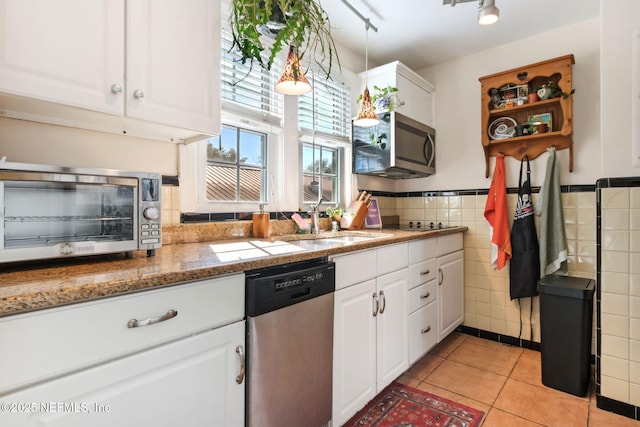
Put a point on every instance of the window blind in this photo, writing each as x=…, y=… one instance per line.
x=332, y=107
x=246, y=85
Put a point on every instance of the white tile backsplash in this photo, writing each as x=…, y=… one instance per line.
x=615, y=325
x=614, y=388
x=615, y=198
x=616, y=219
x=615, y=346
x=615, y=367
x=615, y=261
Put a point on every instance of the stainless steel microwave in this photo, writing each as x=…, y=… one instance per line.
x=56, y=212
x=398, y=147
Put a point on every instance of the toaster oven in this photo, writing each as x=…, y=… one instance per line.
x=56, y=212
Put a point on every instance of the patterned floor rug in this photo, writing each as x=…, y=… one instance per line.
x=402, y=406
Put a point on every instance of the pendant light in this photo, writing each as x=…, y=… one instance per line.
x=367, y=115
x=293, y=81
x=488, y=12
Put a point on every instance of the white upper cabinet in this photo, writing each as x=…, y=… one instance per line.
x=173, y=54
x=416, y=94
x=151, y=68
x=68, y=51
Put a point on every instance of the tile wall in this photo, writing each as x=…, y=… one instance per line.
x=170, y=213
x=619, y=294
x=488, y=306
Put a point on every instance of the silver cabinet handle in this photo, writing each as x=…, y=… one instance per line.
x=441, y=278
x=425, y=296
x=376, y=304
x=133, y=323
x=425, y=272
x=240, y=376
x=138, y=94
x=427, y=329
x=384, y=302
x=116, y=89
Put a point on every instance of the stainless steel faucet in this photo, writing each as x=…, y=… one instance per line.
x=315, y=216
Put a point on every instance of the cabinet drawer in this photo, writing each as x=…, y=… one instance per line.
x=355, y=268
x=391, y=258
x=423, y=331
x=59, y=340
x=449, y=243
x=421, y=250
x=422, y=295
x=422, y=272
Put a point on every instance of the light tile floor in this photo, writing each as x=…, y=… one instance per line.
x=504, y=382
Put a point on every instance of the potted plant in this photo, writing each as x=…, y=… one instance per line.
x=301, y=23
x=384, y=99
x=335, y=213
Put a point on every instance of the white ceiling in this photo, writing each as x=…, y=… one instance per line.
x=421, y=33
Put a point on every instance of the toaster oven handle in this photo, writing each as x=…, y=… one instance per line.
x=134, y=323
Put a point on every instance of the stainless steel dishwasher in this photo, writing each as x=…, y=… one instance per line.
x=290, y=344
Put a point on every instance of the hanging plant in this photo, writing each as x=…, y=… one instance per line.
x=302, y=23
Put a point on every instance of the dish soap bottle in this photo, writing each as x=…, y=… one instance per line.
x=261, y=223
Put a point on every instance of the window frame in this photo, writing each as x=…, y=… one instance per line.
x=338, y=168
x=263, y=167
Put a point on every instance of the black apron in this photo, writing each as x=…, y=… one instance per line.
x=524, y=271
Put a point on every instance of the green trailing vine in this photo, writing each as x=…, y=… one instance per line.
x=304, y=24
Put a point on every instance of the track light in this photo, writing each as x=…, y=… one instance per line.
x=488, y=12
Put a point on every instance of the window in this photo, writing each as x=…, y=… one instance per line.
x=237, y=166
x=325, y=111
x=320, y=173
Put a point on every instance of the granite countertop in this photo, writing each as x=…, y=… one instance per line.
x=33, y=286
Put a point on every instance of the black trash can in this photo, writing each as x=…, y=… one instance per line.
x=566, y=315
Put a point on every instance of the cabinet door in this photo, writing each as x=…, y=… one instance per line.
x=173, y=60
x=418, y=102
x=450, y=292
x=190, y=381
x=354, y=350
x=392, y=332
x=67, y=51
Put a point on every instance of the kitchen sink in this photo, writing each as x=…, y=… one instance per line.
x=344, y=237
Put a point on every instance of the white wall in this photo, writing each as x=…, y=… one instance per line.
x=619, y=18
x=460, y=159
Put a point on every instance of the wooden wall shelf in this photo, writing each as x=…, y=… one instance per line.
x=559, y=109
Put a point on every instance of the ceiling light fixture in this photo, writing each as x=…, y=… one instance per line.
x=293, y=81
x=488, y=13
x=367, y=115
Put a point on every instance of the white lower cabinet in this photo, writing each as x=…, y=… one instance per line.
x=450, y=292
x=370, y=347
x=450, y=283
x=87, y=364
x=191, y=381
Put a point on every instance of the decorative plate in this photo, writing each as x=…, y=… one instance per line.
x=502, y=128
